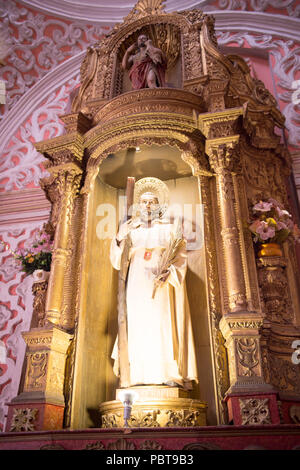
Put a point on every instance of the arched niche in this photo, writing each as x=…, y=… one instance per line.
x=170, y=160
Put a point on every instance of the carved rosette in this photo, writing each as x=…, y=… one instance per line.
x=23, y=419
x=255, y=411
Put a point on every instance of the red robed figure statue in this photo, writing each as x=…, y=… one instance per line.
x=147, y=64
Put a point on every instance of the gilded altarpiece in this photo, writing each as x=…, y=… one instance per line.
x=209, y=134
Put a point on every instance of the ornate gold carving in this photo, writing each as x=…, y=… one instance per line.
x=76, y=122
x=121, y=444
x=182, y=418
x=39, y=290
x=146, y=7
x=260, y=129
x=247, y=349
x=224, y=154
x=157, y=406
x=146, y=100
x=275, y=289
x=284, y=375
x=36, y=371
x=45, y=364
x=95, y=446
x=144, y=420
x=220, y=353
x=242, y=334
x=224, y=160
x=221, y=124
x=110, y=420
x=255, y=411
x=63, y=184
x=151, y=445
x=23, y=419
x=242, y=324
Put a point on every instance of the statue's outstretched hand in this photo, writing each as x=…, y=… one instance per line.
x=124, y=230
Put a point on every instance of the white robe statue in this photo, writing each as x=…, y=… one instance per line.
x=160, y=340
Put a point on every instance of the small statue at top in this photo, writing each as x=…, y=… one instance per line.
x=147, y=64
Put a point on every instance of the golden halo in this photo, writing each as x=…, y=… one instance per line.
x=152, y=185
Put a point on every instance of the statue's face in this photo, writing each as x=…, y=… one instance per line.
x=149, y=205
x=141, y=40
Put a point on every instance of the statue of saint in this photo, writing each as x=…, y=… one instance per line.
x=160, y=341
x=147, y=64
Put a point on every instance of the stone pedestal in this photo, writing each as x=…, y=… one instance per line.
x=40, y=405
x=156, y=406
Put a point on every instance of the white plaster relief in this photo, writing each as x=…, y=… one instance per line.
x=289, y=6
x=44, y=123
x=15, y=314
x=36, y=45
x=286, y=55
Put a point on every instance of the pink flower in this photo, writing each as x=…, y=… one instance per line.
x=281, y=225
x=262, y=206
x=36, y=249
x=282, y=213
x=264, y=231
x=254, y=226
x=274, y=202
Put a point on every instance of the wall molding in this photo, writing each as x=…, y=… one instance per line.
x=54, y=79
x=23, y=207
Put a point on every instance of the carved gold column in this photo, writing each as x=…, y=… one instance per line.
x=222, y=147
x=66, y=180
x=239, y=325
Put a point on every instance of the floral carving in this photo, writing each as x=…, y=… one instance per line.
x=145, y=420
x=121, y=444
x=247, y=349
x=183, y=418
x=37, y=364
x=255, y=411
x=39, y=290
x=275, y=291
x=151, y=445
x=95, y=446
x=23, y=419
x=284, y=375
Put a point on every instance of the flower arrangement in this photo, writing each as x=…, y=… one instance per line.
x=38, y=256
x=271, y=223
